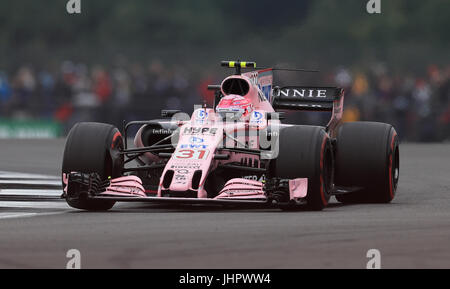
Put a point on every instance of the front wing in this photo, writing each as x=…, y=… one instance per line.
x=235, y=192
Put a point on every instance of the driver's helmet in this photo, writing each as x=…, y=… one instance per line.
x=234, y=107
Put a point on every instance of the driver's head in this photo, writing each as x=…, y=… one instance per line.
x=234, y=107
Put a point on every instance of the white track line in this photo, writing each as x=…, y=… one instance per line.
x=27, y=209
x=12, y=180
x=28, y=192
x=14, y=215
x=15, y=175
x=29, y=185
x=32, y=182
x=31, y=209
x=33, y=205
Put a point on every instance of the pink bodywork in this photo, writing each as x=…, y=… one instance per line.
x=241, y=189
x=200, y=139
x=234, y=189
x=298, y=188
x=204, y=143
x=127, y=186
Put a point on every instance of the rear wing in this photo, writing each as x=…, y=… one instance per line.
x=306, y=98
x=313, y=99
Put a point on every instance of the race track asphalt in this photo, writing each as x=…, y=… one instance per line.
x=412, y=232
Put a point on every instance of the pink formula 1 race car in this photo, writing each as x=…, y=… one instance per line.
x=237, y=152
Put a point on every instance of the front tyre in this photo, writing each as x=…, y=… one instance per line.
x=92, y=148
x=305, y=152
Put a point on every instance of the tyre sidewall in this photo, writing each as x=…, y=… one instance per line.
x=366, y=159
x=305, y=152
x=93, y=148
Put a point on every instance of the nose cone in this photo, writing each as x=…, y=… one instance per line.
x=182, y=180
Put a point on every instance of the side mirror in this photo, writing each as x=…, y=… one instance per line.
x=213, y=86
x=217, y=93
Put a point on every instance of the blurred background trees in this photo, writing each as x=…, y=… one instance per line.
x=406, y=34
x=129, y=59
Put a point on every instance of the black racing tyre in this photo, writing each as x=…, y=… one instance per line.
x=367, y=157
x=93, y=148
x=306, y=152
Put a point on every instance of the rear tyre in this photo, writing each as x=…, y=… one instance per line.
x=93, y=148
x=305, y=152
x=367, y=156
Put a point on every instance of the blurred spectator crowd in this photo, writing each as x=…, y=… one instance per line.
x=76, y=92
x=417, y=105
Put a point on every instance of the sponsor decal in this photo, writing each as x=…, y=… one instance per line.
x=193, y=146
x=180, y=179
x=200, y=131
x=195, y=139
x=194, y=143
x=162, y=131
x=266, y=90
x=193, y=166
x=262, y=178
x=303, y=93
x=263, y=80
x=239, y=192
x=180, y=176
x=253, y=77
x=257, y=117
x=202, y=114
x=191, y=154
